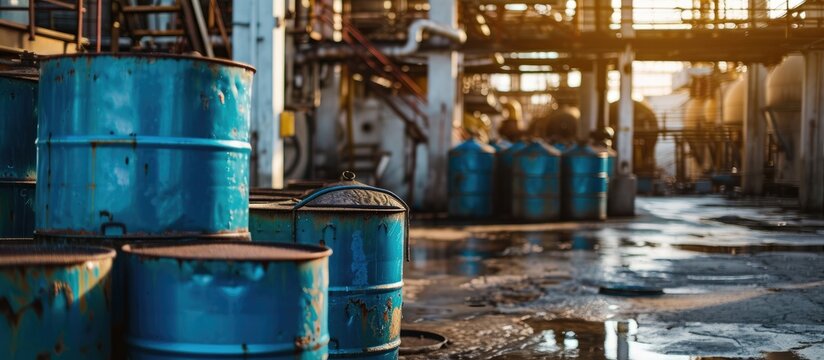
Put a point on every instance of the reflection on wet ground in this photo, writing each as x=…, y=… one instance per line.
x=537, y=291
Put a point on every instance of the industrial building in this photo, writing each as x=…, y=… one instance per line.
x=414, y=179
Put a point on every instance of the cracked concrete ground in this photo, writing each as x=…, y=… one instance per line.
x=737, y=280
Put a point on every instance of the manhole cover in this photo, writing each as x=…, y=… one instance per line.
x=418, y=341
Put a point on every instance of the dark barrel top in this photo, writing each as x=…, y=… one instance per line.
x=233, y=251
x=51, y=255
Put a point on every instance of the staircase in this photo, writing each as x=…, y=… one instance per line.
x=193, y=22
x=399, y=91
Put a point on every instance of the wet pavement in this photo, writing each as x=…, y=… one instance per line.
x=689, y=278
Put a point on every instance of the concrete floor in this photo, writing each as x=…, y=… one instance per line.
x=740, y=279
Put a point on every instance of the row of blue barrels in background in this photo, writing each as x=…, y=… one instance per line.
x=156, y=148
x=188, y=300
x=529, y=181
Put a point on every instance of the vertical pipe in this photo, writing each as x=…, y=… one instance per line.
x=79, y=35
x=811, y=193
x=99, y=23
x=31, y=20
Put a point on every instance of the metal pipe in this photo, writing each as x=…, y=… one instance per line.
x=415, y=37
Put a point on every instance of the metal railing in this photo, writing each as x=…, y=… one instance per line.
x=77, y=7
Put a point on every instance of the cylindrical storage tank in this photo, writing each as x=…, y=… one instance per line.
x=18, y=155
x=56, y=302
x=585, y=183
x=503, y=177
x=143, y=146
x=563, y=124
x=734, y=101
x=367, y=229
x=471, y=174
x=536, y=183
x=227, y=300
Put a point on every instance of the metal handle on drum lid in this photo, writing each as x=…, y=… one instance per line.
x=324, y=191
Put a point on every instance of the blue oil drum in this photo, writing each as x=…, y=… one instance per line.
x=585, y=183
x=55, y=302
x=272, y=221
x=227, y=300
x=562, y=146
x=471, y=177
x=536, y=183
x=18, y=155
x=367, y=229
x=143, y=146
x=503, y=178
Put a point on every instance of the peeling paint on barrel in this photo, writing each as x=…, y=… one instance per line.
x=187, y=170
x=54, y=302
x=366, y=227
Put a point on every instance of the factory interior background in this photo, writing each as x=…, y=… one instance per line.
x=414, y=179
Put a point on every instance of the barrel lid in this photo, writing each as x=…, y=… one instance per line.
x=228, y=250
x=350, y=194
x=51, y=254
x=158, y=56
x=500, y=145
x=538, y=147
x=585, y=150
x=473, y=146
x=515, y=147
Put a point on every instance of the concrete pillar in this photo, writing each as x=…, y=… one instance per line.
x=624, y=132
x=444, y=106
x=259, y=39
x=327, y=118
x=811, y=191
x=588, y=94
x=755, y=130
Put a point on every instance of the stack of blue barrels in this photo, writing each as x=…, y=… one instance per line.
x=141, y=236
x=471, y=176
x=536, y=183
x=585, y=180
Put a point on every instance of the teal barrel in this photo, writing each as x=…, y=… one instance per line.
x=227, y=300
x=536, y=183
x=143, y=146
x=18, y=155
x=585, y=183
x=471, y=176
x=271, y=221
x=367, y=229
x=55, y=302
x=503, y=177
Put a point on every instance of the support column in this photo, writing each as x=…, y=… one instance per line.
x=626, y=112
x=325, y=142
x=259, y=39
x=588, y=104
x=755, y=130
x=444, y=107
x=811, y=191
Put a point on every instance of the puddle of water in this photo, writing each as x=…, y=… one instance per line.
x=581, y=339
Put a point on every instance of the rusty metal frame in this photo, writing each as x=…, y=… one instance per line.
x=78, y=8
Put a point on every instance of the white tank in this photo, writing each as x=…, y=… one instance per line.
x=784, y=93
x=734, y=101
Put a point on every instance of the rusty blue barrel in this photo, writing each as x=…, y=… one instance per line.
x=471, y=176
x=143, y=146
x=503, y=178
x=55, y=302
x=227, y=300
x=271, y=221
x=536, y=183
x=367, y=229
x=585, y=183
x=18, y=155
